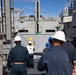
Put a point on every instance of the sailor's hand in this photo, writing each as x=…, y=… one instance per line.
x=74, y=70
x=44, y=49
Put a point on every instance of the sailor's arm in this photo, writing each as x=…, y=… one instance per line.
x=74, y=67
x=9, y=60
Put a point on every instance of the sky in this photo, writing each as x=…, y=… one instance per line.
x=48, y=8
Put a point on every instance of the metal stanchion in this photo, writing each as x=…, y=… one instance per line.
x=1, y=58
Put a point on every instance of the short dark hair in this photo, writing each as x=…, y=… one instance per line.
x=18, y=42
x=59, y=41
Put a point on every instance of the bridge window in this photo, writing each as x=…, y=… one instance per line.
x=50, y=31
x=26, y=31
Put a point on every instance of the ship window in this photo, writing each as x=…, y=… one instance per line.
x=50, y=31
x=23, y=31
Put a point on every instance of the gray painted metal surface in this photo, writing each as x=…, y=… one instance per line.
x=35, y=71
x=30, y=26
x=8, y=19
x=1, y=59
x=74, y=14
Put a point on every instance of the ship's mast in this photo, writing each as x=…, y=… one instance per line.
x=67, y=3
x=37, y=14
x=8, y=24
x=74, y=20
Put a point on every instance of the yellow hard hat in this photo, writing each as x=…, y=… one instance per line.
x=30, y=39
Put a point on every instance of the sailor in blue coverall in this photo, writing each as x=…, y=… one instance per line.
x=18, y=58
x=57, y=62
x=71, y=51
x=48, y=48
x=74, y=42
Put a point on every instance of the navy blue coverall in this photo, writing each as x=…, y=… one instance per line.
x=71, y=51
x=18, y=54
x=57, y=62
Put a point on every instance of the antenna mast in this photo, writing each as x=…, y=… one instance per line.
x=37, y=14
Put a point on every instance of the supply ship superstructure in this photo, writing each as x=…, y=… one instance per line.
x=68, y=19
x=36, y=26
